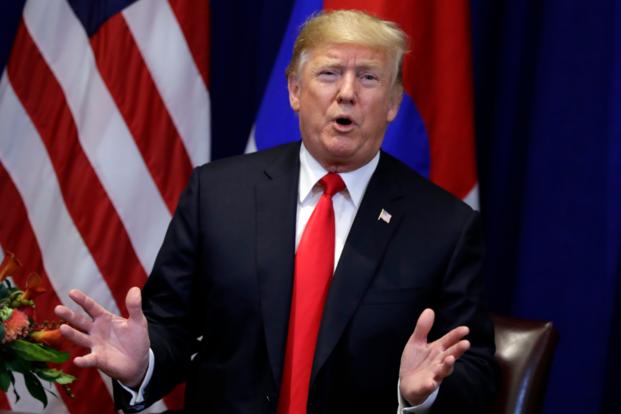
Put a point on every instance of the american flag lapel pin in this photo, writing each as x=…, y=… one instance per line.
x=384, y=216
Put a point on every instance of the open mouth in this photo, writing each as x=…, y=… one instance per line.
x=343, y=121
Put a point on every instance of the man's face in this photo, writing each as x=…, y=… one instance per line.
x=345, y=97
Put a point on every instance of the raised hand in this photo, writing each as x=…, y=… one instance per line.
x=119, y=347
x=424, y=365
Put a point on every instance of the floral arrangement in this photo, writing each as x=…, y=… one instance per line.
x=27, y=347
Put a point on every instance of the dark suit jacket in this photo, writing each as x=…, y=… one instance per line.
x=224, y=274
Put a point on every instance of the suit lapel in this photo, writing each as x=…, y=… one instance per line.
x=276, y=198
x=360, y=259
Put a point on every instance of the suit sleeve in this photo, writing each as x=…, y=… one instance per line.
x=167, y=299
x=471, y=387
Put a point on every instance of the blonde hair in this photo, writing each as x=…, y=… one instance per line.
x=349, y=27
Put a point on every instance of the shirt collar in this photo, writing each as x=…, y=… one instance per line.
x=356, y=181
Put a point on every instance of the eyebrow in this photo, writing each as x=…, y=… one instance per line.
x=333, y=63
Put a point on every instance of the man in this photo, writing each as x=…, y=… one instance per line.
x=290, y=280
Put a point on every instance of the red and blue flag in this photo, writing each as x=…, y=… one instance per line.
x=434, y=130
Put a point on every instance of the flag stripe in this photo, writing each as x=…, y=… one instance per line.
x=27, y=162
x=4, y=402
x=158, y=37
x=27, y=404
x=131, y=86
x=193, y=18
x=438, y=75
x=103, y=134
x=472, y=199
x=16, y=234
x=181, y=85
x=87, y=202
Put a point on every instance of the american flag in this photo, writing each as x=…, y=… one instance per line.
x=104, y=110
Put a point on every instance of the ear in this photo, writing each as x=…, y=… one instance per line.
x=394, y=102
x=293, y=84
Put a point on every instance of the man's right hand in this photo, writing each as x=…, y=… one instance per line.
x=119, y=347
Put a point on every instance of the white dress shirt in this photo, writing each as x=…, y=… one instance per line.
x=345, y=204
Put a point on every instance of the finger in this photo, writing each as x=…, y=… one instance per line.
x=453, y=336
x=446, y=369
x=86, y=361
x=74, y=319
x=133, y=302
x=423, y=326
x=456, y=351
x=448, y=358
x=75, y=336
x=87, y=303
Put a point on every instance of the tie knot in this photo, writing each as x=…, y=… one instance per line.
x=332, y=183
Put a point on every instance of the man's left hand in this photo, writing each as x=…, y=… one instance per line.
x=424, y=365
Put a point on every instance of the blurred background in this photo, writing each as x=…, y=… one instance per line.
x=514, y=106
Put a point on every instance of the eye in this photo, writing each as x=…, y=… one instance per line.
x=327, y=75
x=368, y=78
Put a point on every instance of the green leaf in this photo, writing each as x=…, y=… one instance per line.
x=33, y=384
x=48, y=374
x=1, y=331
x=17, y=396
x=18, y=365
x=54, y=375
x=5, y=313
x=5, y=379
x=37, y=352
x=4, y=291
x=65, y=379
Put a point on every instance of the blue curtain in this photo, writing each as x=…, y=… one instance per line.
x=548, y=78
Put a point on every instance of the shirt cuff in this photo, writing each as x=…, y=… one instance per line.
x=422, y=408
x=138, y=396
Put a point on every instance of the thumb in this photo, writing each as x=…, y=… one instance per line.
x=423, y=326
x=133, y=302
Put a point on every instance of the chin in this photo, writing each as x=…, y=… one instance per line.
x=342, y=162
x=341, y=147
x=340, y=157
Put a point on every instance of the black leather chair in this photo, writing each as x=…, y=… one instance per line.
x=524, y=351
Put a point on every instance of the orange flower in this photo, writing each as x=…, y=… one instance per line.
x=50, y=337
x=33, y=287
x=10, y=264
x=16, y=326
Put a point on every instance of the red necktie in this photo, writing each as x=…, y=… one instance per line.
x=314, y=265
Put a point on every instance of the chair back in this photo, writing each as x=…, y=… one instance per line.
x=524, y=351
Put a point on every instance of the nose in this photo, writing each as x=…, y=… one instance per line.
x=347, y=90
